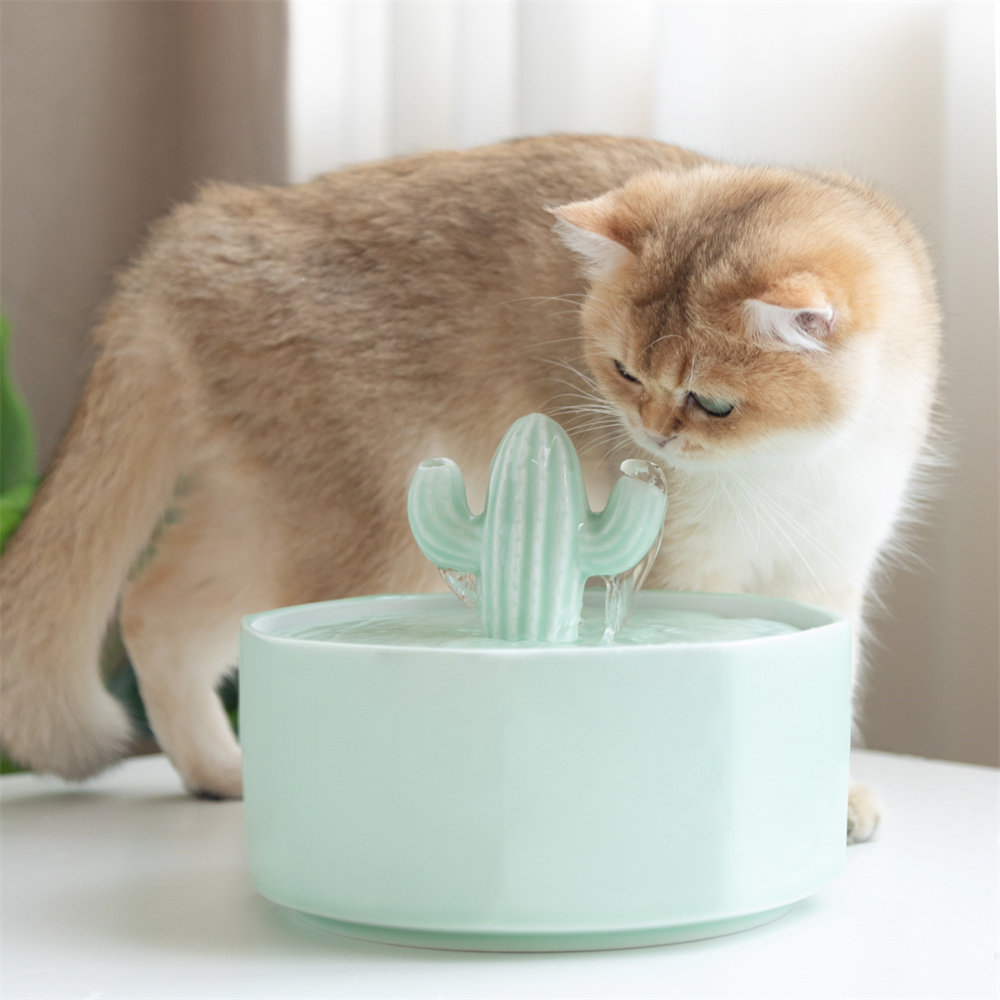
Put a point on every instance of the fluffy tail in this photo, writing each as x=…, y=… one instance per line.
x=63, y=570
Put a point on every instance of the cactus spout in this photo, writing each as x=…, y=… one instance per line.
x=537, y=541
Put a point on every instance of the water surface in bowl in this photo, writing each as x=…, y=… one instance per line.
x=459, y=626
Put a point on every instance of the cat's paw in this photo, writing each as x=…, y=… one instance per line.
x=863, y=814
x=224, y=780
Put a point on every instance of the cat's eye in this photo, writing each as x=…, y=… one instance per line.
x=713, y=407
x=625, y=373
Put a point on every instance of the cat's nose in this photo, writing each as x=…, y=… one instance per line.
x=659, y=440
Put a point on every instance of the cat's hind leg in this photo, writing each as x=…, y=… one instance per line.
x=180, y=621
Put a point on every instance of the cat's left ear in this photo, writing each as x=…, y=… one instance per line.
x=592, y=229
x=795, y=315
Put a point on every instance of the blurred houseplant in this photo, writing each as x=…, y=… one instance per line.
x=18, y=460
x=18, y=448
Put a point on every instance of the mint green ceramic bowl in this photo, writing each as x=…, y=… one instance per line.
x=548, y=798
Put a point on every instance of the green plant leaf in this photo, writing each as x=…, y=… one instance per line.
x=13, y=506
x=7, y=766
x=18, y=448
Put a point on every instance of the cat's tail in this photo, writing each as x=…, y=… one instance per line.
x=64, y=568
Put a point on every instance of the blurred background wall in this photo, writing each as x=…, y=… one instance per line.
x=111, y=111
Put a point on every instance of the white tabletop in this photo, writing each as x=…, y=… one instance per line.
x=124, y=887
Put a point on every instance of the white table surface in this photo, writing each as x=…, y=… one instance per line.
x=124, y=887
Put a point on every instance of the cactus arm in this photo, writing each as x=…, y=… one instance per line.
x=445, y=529
x=629, y=526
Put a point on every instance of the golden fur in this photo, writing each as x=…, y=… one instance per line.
x=276, y=361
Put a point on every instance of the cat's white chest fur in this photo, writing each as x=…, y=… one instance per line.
x=805, y=529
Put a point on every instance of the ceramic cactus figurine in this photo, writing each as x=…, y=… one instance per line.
x=537, y=541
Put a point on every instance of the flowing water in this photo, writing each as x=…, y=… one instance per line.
x=620, y=589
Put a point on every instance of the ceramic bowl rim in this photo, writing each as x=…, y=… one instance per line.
x=807, y=618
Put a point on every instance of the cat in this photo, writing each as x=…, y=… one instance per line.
x=276, y=361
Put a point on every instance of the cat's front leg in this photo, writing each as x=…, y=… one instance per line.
x=863, y=814
x=863, y=809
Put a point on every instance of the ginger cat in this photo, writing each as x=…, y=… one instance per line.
x=276, y=362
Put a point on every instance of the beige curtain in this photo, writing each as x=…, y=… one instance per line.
x=109, y=113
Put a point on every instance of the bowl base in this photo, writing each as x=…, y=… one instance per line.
x=641, y=937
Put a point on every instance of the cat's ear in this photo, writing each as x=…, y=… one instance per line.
x=793, y=316
x=590, y=229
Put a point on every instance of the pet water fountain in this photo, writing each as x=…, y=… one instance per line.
x=529, y=772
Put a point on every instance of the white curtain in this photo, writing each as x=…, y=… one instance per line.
x=372, y=79
x=901, y=93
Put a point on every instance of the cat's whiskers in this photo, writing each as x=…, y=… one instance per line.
x=587, y=418
x=714, y=496
x=754, y=506
x=790, y=534
x=604, y=421
x=616, y=439
x=588, y=413
x=601, y=448
x=585, y=388
x=568, y=308
x=589, y=428
x=736, y=507
x=694, y=375
x=575, y=299
x=574, y=339
x=659, y=340
x=594, y=412
x=760, y=484
x=575, y=392
x=583, y=400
